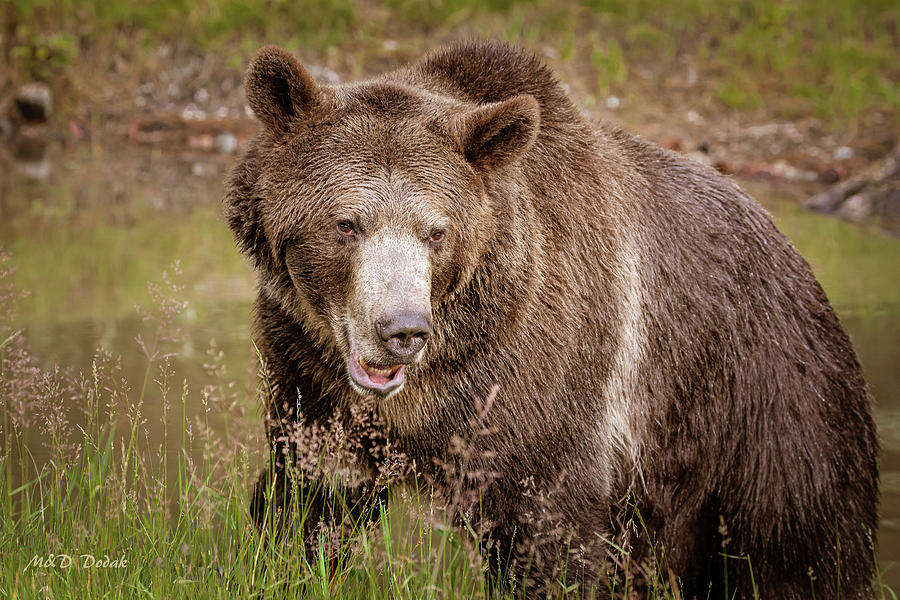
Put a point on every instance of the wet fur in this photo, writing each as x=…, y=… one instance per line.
x=654, y=337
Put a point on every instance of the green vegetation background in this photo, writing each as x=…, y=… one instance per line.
x=834, y=59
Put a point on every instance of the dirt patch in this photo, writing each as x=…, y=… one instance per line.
x=177, y=98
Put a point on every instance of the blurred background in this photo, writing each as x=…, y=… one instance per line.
x=119, y=120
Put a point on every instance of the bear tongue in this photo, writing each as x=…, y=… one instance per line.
x=378, y=374
x=379, y=378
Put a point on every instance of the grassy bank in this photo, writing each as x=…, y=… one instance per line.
x=122, y=488
x=140, y=489
x=836, y=60
x=96, y=503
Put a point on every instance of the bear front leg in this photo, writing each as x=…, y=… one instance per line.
x=519, y=567
x=533, y=549
x=324, y=507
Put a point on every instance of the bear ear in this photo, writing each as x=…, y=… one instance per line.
x=493, y=135
x=279, y=89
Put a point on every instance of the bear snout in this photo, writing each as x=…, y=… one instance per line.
x=403, y=334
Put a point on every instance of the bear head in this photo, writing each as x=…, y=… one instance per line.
x=363, y=208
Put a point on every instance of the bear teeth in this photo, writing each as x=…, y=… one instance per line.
x=383, y=371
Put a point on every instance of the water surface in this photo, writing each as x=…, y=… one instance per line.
x=87, y=239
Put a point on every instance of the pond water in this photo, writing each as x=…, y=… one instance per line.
x=88, y=238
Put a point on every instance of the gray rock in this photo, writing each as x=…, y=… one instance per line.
x=857, y=208
x=874, y=194
x=843, y=153
x=34, y=102
x=226, y=142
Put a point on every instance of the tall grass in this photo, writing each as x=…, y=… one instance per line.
x=97, y=501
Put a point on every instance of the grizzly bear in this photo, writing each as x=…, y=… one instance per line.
x=620, y=336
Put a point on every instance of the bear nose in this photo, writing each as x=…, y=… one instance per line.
x=403, y=334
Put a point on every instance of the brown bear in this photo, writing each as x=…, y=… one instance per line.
x=621, y=336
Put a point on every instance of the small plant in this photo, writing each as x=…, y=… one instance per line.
x=39, y=55
x=609, y=65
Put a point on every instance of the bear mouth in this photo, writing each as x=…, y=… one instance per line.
x=379, y=379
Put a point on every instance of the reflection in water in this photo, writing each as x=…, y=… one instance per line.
x=30, y=155
x=88, y=239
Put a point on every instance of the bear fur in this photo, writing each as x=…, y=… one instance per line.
x=619, y=335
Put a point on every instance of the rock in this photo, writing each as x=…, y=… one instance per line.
x=873, y=194
x=694, y=117
x=192, y=113
x=724, y=166
x=672, y=143
x=34, y=102
x=843, y=153
x=857, y=208
x=830, y=176
x=203, y=141
x=226, y=142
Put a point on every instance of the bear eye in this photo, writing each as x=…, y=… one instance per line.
x=437, y=237
x=345, y=228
